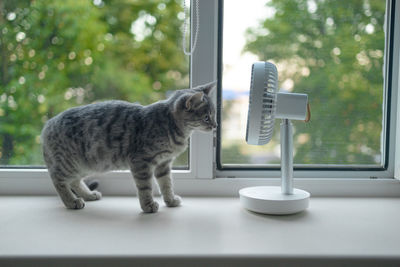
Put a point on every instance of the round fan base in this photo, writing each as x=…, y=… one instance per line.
x=271, y=200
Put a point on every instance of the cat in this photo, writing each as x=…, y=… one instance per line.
x=115, y=135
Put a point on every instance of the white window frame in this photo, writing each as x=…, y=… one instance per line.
x=346, y=174
x=203, y=178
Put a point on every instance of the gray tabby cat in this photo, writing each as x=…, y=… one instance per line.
x=115, y=135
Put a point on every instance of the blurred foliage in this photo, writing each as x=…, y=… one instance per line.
x=233, y=155
x=333, y=51
x=59, y=54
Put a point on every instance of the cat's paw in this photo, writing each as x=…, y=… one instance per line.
x=76, y=204
x=95, y=195
x=152, y=207
x=174, y=202
x=98, y=195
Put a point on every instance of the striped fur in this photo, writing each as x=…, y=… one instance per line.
x=116, y=135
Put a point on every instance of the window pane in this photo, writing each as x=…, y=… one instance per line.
x=60, y=54
x=331, y=50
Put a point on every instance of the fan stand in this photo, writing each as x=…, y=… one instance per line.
x=274, y=199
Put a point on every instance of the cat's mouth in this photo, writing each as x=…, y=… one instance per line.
x=207, y=128
x=210, y=128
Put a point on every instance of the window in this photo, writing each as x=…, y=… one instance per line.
x=334, y=51
x=58, y=54
x=220, y=155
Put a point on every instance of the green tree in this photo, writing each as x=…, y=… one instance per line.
x=333, y=51
x=59, y=54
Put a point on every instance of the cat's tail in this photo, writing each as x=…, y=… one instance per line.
x=92, y=184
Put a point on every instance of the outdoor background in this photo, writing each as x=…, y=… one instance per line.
x=59, y=54
x=331, y=50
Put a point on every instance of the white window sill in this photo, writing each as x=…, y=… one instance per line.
x=38, y=182
x=39, y=230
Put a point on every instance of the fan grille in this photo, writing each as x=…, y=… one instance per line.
x=262, y=103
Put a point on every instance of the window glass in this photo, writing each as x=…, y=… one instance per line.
x=59, y=54
x=331, y=50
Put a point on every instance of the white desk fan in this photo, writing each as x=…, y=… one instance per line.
x=265, y=105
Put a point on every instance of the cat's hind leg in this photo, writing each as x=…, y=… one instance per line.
x=64, y=190
x=143, y=173
x=81, y=190
x=163, y=174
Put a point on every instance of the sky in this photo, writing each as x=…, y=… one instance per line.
x=237, y=18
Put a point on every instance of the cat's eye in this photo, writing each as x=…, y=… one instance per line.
x=206, y=118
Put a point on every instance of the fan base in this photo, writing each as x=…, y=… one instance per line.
x=271, y=200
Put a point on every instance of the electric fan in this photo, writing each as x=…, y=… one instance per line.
x=266, y=105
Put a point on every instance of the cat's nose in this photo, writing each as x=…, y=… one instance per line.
x=214, y=125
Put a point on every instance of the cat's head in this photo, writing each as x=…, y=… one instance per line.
x=195, y=108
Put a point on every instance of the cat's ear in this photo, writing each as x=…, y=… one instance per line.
x=192, y=101
x=207, y=88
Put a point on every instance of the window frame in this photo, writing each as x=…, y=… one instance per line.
x=202, y=70
x=204, y=178
x=333, y=171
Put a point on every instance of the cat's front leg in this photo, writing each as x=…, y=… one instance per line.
x=163, y=174
x=142, y=173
